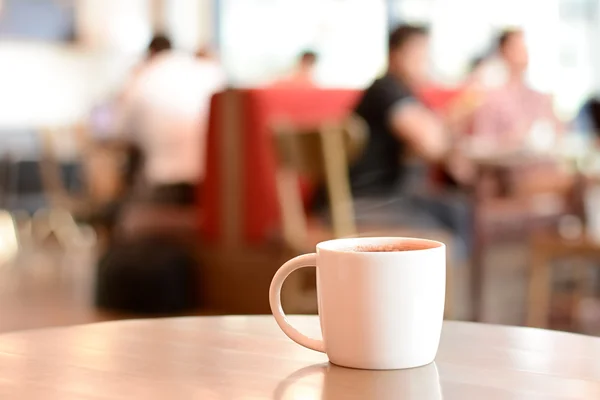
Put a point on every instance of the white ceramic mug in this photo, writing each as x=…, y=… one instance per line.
x=378, y=309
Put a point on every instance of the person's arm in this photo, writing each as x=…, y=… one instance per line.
x=421, y=129
x=548, y=112
x=425, y=133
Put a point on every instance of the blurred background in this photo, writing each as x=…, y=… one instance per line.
x=165, y=157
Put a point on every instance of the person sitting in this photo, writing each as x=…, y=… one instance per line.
x=510, y=112
x=167, y=107
x=303, y=74
x=390, y=187
x=461, y=112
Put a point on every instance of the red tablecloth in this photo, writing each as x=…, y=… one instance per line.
x=239, y=199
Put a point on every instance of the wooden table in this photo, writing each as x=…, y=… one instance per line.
x=250, y=358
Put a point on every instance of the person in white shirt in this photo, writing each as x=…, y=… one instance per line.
x=166, y=108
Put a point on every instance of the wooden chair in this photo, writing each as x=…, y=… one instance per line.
x=323, y=154
x=545, y=248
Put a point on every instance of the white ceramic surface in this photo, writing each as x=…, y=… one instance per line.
x=378, y=310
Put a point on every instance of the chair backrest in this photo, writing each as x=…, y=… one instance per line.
x=322, y=153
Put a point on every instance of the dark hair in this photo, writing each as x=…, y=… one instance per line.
x=594, y=110
x=505, y=36
x=477, y=62
x=308, y=56
x=158, y=44
x=404, y=33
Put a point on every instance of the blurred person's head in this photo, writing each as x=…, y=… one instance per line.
x=158, y=44
x=307, y=60
x=476, y=64
x=477, y=71
x=204, y=52
x=408, y=50
x=513, y=50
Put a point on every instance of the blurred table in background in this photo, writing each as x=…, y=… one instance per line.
x=513, y=195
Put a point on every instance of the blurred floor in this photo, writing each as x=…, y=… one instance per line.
x=48, y=287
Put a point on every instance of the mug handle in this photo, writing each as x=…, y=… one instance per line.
x=306, y=260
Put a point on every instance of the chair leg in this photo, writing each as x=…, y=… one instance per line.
x=9, y=242
x=476, y=280
x=539, y=291
x=40, y=225
x=23, y=223
x=581, y=290
x=64, y=227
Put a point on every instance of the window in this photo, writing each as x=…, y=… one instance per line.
x=260, y=39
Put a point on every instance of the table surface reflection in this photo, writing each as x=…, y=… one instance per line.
x=250, y=358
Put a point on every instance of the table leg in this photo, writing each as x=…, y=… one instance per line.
x=476, y=278
x=539, y=290
x=477, y=267
x=480, y=194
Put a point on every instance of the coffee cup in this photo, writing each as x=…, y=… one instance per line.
x=380, y=301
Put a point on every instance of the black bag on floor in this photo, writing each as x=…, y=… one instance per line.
x=147, y=276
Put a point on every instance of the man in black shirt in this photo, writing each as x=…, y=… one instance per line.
x=388, y=185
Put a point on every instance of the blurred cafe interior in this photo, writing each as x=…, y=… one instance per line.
x=165, y=157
